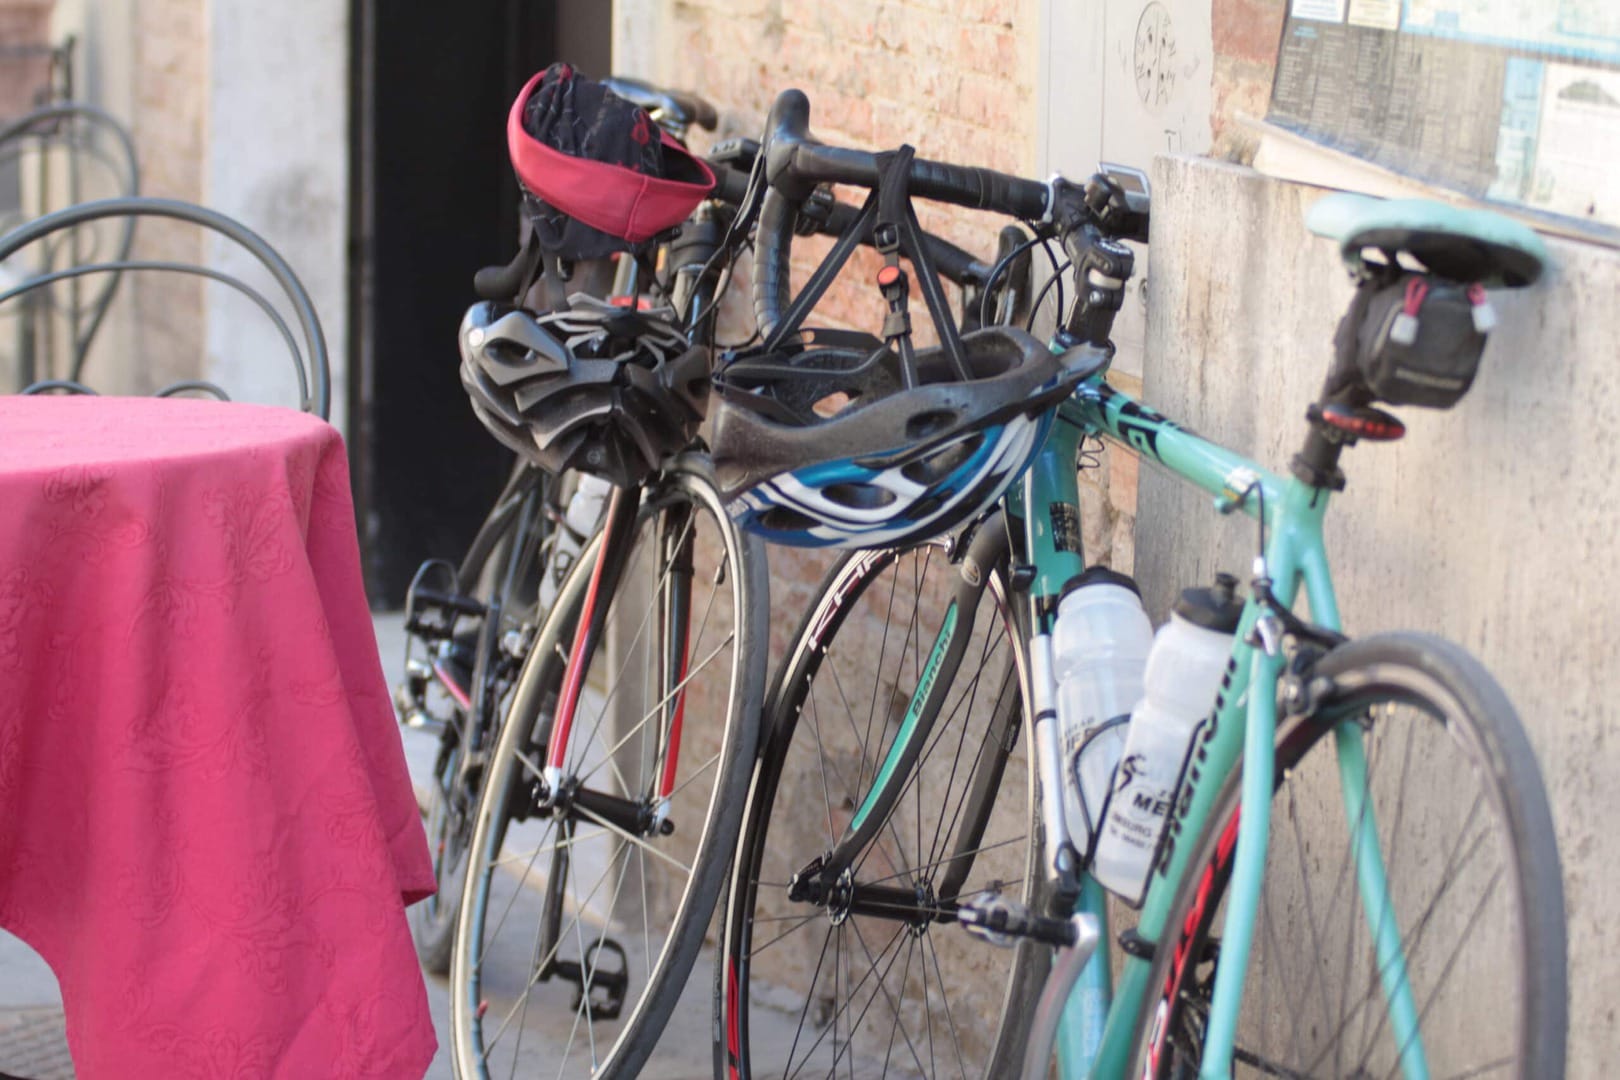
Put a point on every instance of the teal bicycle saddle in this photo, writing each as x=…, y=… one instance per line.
x=1463, y=245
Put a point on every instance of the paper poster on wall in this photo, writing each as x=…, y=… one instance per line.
x=1505, y=100
x=1322, y=10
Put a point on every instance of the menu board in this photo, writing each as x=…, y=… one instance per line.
x=1516, y=101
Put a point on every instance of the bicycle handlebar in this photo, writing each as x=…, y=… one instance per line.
x=683, y=107
x=795, y=162
x=955, y=264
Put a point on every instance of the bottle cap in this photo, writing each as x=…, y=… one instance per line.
x=1216, y=608
x=1100, y=575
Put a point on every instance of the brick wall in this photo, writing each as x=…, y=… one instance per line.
x=956, y=81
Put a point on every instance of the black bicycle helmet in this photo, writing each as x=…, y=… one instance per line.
x=893, y=465
x=594, y=387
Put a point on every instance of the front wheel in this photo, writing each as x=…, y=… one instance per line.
x=1455, y=965
x=591, y=881
x=477, y=660
x=906, y=652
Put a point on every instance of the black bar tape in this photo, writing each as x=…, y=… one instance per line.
x=772, y=245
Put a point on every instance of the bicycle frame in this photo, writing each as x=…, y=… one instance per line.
x=1099, y=1026
x=1243, y=721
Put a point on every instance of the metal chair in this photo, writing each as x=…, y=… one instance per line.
x=309, y=357
x=73, y=151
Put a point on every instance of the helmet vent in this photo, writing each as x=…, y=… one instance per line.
x=832, y=404
x=939, y=465
x=932, y=422
x=858, y=496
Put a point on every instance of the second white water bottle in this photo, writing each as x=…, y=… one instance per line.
x=1184, y=670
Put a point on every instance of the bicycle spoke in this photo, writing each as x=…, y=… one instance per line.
x=1408, y=944
x=799, y=925
x=944, y=998
x=1445, y=972
x=631, y=651
x=1310, y=908
x=883, y=987
x=848, y=997
x=636, y=840
x=971, y=698
x=810, y=995
x=888, y=821
x=655, y=712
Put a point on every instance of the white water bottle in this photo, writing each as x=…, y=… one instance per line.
x=1184, y=670
x=578, y=525
x=1099, y=651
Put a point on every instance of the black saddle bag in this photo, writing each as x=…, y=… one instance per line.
x=1414, y=340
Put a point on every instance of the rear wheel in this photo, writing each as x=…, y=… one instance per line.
x=476, y=666
x=876, y=978
x=589, y=889
x=1452, y=792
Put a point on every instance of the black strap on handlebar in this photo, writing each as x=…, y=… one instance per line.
x=894, y=170
x=913, y=243
x=813, y=289
x=888, y=216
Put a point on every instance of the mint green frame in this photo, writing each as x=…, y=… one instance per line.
x=1097, y=1035
x=1099, y=1028
x=1098, y=1032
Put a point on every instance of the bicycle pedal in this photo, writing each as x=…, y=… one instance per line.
x=431, y=612
x=993, y=918
x=588, y=977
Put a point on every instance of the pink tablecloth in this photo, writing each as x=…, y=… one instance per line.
x=206, y=826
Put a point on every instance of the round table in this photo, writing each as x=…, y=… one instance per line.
x=206, y=825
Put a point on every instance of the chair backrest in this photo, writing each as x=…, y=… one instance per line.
x=307, y=349
x=70, y=152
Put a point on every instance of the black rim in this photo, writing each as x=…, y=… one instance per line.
x=1315, y=1002
x=880, y=971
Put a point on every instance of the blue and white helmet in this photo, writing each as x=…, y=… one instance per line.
x=893, y=465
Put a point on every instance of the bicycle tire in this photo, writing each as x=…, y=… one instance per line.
x=756, y=892
x=504, y=581
x=1472, y=716
x=483, y=975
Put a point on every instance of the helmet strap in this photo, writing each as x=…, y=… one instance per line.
x=897, y=233
x=894, y=178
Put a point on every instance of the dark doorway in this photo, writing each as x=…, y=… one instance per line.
x=432, y=200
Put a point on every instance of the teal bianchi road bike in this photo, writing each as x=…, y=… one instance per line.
x=1357, y=876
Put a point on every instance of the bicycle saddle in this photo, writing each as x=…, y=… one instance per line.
x=679, y=106
x=1463, y=245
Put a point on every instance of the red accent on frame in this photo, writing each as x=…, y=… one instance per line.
x=733, y=1031
x=564, y=724
x=450, y=685
x=666, y=783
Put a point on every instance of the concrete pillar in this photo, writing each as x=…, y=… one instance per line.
x=1490, y=524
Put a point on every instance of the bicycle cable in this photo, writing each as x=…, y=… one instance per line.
x=1002, y=267
x=1040, y=297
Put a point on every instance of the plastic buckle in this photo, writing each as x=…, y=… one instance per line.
x=896, y=288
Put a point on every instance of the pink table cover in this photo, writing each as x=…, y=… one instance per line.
x=206, y=825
